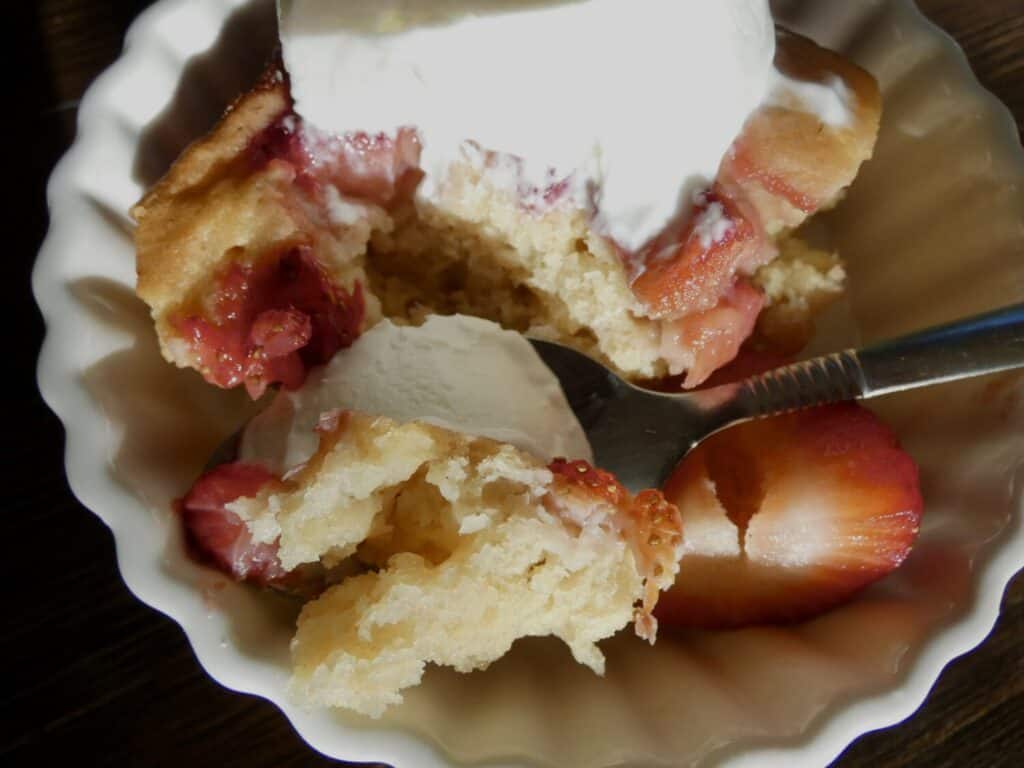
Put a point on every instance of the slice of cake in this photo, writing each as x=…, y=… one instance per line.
x=459, y=546
x=270, y=244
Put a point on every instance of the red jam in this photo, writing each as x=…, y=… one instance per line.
x=375, y=168
x=280, y=140
x=270, y=322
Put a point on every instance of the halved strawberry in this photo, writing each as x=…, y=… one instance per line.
x=217, y=536
x=787, y=517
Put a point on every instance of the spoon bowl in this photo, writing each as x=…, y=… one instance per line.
x=640, y=435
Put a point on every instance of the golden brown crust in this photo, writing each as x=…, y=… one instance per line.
x=215, y=207
x=206, y=204
x=209, y=156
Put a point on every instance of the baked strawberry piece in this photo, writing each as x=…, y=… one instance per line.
x=270, y=322
x=218, y=537
x=689, y=271
x=786, y=163
x=787, y=517
x=249, y=250
x=701, y=280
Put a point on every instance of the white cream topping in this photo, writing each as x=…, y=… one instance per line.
x=635, y=103
x=712, y=226
x=831, y=101
x=461, y=373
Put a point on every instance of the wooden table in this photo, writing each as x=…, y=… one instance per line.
x=94, y=675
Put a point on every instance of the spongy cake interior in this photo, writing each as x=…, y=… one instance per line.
x=467, y=545
x=475, y=250
x=478, y=252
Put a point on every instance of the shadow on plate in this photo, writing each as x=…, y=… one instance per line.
x=171, y=421
x=207, y=87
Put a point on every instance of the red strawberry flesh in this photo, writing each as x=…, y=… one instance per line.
x=689, y=271
x=787, y=517
x=714, y=337
x=271, y=322
x=218, y=537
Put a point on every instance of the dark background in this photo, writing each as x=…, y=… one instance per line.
x=92, y=675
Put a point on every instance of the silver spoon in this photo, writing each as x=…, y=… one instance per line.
x=640, y=435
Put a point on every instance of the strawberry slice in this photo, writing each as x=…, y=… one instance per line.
x=216, y=536
x=690, y=271
x=713, y=338
x=787, y=517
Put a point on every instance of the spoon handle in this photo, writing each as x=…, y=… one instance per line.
x=972, y=347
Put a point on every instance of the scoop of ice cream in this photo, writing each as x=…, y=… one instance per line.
x=631, y=105
x=461, y=373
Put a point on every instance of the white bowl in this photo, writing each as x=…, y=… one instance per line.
x=932, y=230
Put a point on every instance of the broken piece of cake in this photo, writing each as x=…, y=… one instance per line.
x=459, y=546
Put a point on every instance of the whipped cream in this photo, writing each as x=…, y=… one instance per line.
x=630, y=106
x=461, y=373
x=830, y=101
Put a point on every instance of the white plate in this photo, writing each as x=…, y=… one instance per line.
x=932, y=230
